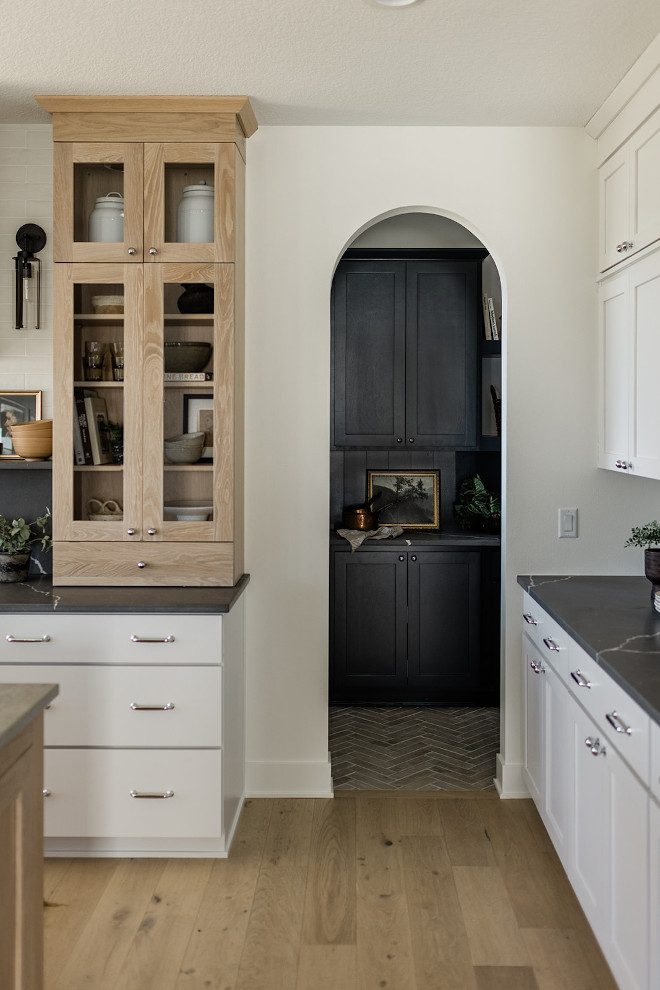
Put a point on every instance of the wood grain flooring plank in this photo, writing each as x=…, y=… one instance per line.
x=153, y=960
x=383, y=925
x=505, y=978
x=272, y=942
x=493, y=932
x=54, y=870
x=216, y=944
x=468, y=843
x=328, y=967
x=110, y=929
x=565, y=960
x=73, y=899
x=329, y=916
x=441, y=951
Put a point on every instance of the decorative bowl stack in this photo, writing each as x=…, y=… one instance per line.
x=34, y=440
x=186, y=448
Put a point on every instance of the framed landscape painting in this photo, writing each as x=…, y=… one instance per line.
x=410, y=499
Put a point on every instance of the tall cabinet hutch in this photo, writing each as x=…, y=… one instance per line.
x=147, y=150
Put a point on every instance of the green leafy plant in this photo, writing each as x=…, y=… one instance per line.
x=18, y=536
x=646, y=536
x=476, y=507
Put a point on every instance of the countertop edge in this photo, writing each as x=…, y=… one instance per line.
x=20, y=704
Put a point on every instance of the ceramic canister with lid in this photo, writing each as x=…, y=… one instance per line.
x=106, y=221
x=195, y=215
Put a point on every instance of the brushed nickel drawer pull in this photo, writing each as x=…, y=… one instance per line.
x=529, y=618
x=169, y=707
x=152, y=795
x=580, y=679
x=550, y=643
x=39, y=639
x=138, y=639
x=617, y=723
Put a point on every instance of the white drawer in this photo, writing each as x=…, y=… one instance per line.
x=655, y=759
x=548, y=636
x=90, y=793
x=93, y=707
x=108, y=638
x=607, y=703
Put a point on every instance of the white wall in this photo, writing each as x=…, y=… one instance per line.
x=530, y=196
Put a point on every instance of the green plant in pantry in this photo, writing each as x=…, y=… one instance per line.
x=646, y=536
x=18, y=536
x=476, y=507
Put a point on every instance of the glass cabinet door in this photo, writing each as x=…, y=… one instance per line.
x=97, y=429
x=189, y=202
x=188, y=439
x=98, y=202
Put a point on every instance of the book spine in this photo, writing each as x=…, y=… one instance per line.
x=81, y=417
x=78, y=452
x=493, y=321
x=487, y=330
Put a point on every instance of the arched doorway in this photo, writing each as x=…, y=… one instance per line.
x=415, y=620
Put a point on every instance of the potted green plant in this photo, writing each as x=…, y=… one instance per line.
x=476, y=507
x=648, y=538
x=16, y=541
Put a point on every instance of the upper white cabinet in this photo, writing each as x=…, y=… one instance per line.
x=629, y=354
x=630, y=196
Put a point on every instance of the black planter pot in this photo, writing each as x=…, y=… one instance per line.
x=652, y=569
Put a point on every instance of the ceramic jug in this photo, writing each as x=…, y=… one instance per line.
x=195, y=215
x=106, y=221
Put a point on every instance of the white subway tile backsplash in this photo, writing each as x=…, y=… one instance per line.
x=11, y=380
x=27, y=157
x=11, y=347
x=12, y=136
x=13, y=173
x=39, y=136
x=39, y=173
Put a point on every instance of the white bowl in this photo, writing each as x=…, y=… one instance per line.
x=186, y=454
x=189, y=510
x=185, y=440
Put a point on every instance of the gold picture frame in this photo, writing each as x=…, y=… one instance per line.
x=16, y=406
x=414, y=498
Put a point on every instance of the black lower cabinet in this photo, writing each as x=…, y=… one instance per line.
x=414, y=626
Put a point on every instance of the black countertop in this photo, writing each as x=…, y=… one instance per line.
x=39, y=595
x=613, y=620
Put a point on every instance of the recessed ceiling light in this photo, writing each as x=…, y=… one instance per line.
x=392, y=3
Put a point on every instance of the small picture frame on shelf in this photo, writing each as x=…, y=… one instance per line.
x=16, y=407
x=410, y=499
x=198, y=418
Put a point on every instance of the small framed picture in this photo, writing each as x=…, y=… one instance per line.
x=198, y=418
x=16, y=407
x=410, y=499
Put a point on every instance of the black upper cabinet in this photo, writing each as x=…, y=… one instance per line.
x=405, y=353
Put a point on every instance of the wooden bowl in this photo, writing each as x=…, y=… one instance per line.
x=33, y=449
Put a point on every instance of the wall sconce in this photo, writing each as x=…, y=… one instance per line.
x=27, y=308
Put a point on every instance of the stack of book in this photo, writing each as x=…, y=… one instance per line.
x=491, y=329
x=90, y=435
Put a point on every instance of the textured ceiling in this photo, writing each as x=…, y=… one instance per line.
x=451, y=62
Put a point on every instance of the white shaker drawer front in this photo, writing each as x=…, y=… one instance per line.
x=548, y=636
x=127, y=706
x=132, y=793
x=111, y=638
x=655, y=764
x=620, y=719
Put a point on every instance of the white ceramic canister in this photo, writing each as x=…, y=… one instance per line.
x=106, y=221
x=195, y=215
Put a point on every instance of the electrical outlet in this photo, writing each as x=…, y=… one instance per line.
x=568, y=523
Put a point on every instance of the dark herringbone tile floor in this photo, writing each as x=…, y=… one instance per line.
x=424, y=749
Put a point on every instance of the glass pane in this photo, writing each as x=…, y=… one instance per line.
x=98, y=202
x=189, y=195
x=188, y=406
x=98, y=401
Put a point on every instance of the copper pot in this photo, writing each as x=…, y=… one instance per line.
x=363, y=519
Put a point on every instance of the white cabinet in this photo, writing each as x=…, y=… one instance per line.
x=630, y=196
x=144, y=744
x=654, y=892
x=629, y=353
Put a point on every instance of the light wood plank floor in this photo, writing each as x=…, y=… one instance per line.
x=396, y=890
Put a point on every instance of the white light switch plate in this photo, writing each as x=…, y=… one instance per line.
x=568, y=523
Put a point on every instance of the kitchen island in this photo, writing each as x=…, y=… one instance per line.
x=21, y=833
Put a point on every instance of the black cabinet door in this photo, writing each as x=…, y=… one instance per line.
x=368, y=625
x=441, y=353
x=368, y=307
x=444, y=635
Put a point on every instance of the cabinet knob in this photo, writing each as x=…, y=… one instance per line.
x=130, y=532
x=399, y=439
x=626, y=245
x=619, y=248
x=46, y=792
x=153, y=251
x=151, y=532
x=141, y=564
x=595, y=745
x=132, y=251
x=414, y=557
x=411, y=439
x=401, y=557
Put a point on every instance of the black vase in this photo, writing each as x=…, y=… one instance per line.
x=652, y=570
x=196, y=298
